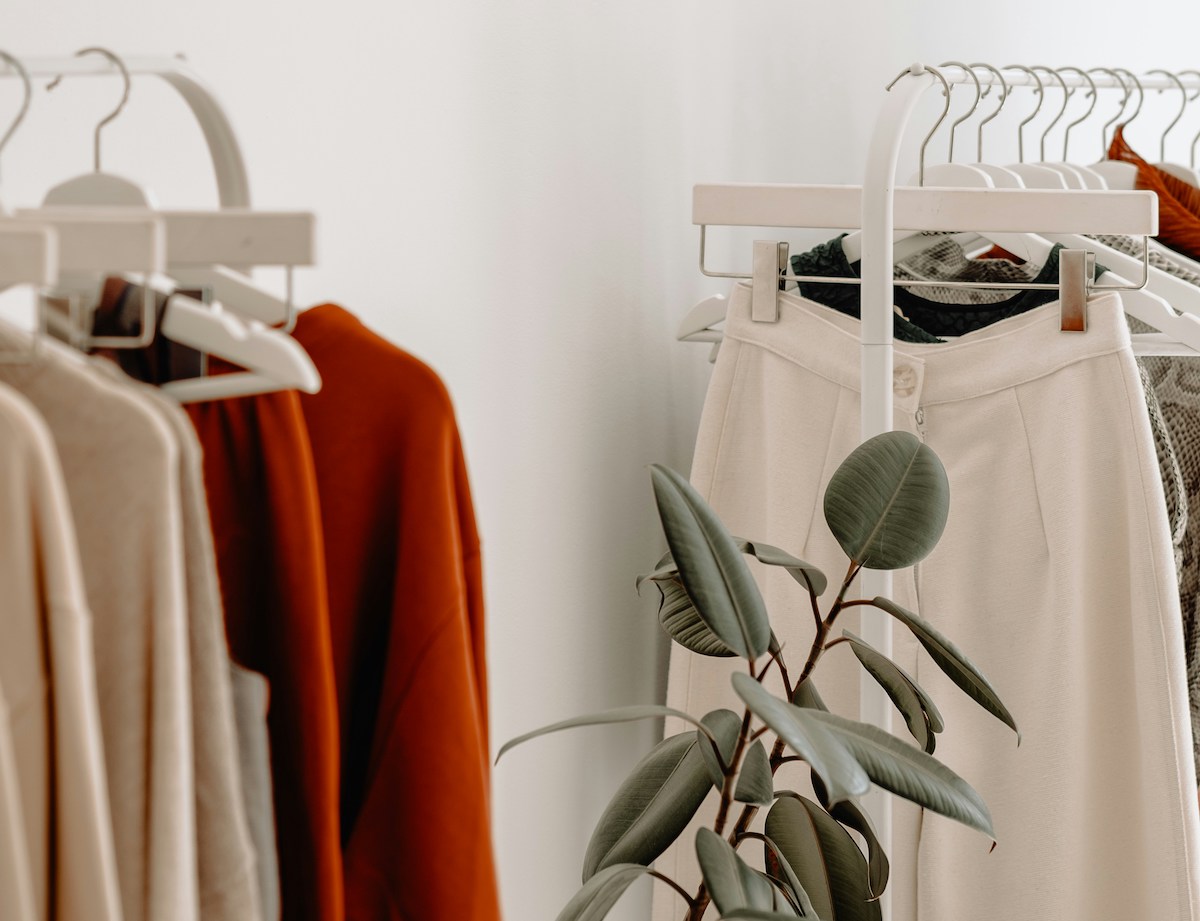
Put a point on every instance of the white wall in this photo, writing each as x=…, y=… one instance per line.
x=503, y=189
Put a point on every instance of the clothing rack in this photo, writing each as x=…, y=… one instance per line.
x=879, y=208
x=233, y=184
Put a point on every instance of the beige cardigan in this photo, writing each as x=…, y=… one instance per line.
x=121, y=468
x=51, y=725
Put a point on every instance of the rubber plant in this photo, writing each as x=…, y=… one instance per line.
x=887, y=505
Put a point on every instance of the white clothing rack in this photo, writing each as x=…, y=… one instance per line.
x=233, y=185
x=879, y=208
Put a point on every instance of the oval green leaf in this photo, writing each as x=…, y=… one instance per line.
x=757, y=914
x=887, y=503
x=731, y=882
x=906, y=771
x=809, y=576
x=652, y=806
x=710, y=566
x=755, y=784
x=616, y=715
x=724, y=727
x=600, y=893
x=683, y=623
x=919, y=711
x=805, y=695
x=781, y=873
x=824, y=752
x=850, y=814
x=824, y=858
x=949, y=659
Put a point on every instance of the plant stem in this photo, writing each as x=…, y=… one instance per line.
x=674, y=885
x=727, y=786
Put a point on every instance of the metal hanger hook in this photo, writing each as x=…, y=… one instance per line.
x=1003, y=99
x=937, y=124
x=120, y=65
x=1141, y=94
x=1127, y=90
x=1196, y=139
x=971, y=111
x=1162, y=142
x=28, y=86
x=1039, y=91
x=1054, y=121
x=1086, y=115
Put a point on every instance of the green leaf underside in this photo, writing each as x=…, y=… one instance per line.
x=600, y=893
x=754, y=783
x=888, y=501
x=616, y=715
x=651, y=807
x=831, y=759
x=824, y=857
x=808, y=575
x=906, y=771
x=850, y=814
x=919, y=712
x=683, y=623
x=952, y=662
x=782, y=873
x=731, y=882
x=725, y=726
x=711, y=566
x=756, y=914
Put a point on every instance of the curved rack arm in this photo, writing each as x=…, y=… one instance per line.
x=233, y=185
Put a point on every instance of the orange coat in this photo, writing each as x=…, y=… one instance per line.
x=406, y=618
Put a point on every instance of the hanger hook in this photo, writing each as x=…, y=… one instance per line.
x=28, y=85
x=971, y=111
x=1141, y=94
x=937, y=124
x=1003, y=99
x=1162, y=143
x=1086, y=115
x=1054, y=121
x=1040, y=92
x=120, y=65
x=1196, y=139
x=1127, y=90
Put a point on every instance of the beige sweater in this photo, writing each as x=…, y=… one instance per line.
x=229, y=889
x=51, y=758
x=121, y=467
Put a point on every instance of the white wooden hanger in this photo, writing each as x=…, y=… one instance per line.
x=196, y=240
x=1118, y=174
x=1179, y=170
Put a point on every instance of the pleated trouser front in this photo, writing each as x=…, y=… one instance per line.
x=1054, y=575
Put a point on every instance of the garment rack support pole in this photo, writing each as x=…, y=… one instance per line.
x=878, y=218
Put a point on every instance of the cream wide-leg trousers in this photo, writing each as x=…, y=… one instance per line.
x=1054, y=575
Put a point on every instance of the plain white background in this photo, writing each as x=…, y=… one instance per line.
x=503, y=189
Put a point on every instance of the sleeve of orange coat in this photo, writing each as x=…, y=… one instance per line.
x=428, y=767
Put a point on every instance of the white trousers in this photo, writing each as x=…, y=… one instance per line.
x=1054, y=575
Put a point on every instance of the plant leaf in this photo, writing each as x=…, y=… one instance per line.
x=850, y=814
x=824, y=752
x=755, y=784
x=652, y=806
x=806, y=695
x=887, y=503
x=683, y=623
x=616, y=715
x=824, y=857
x=808, y=575
x=907, y=771
x=949, y=659
x=600, y=893
x=756, y=914
x=724, y=726
x=731, y=882
x=710, y=566
x=919, y=712
x=781, y=872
